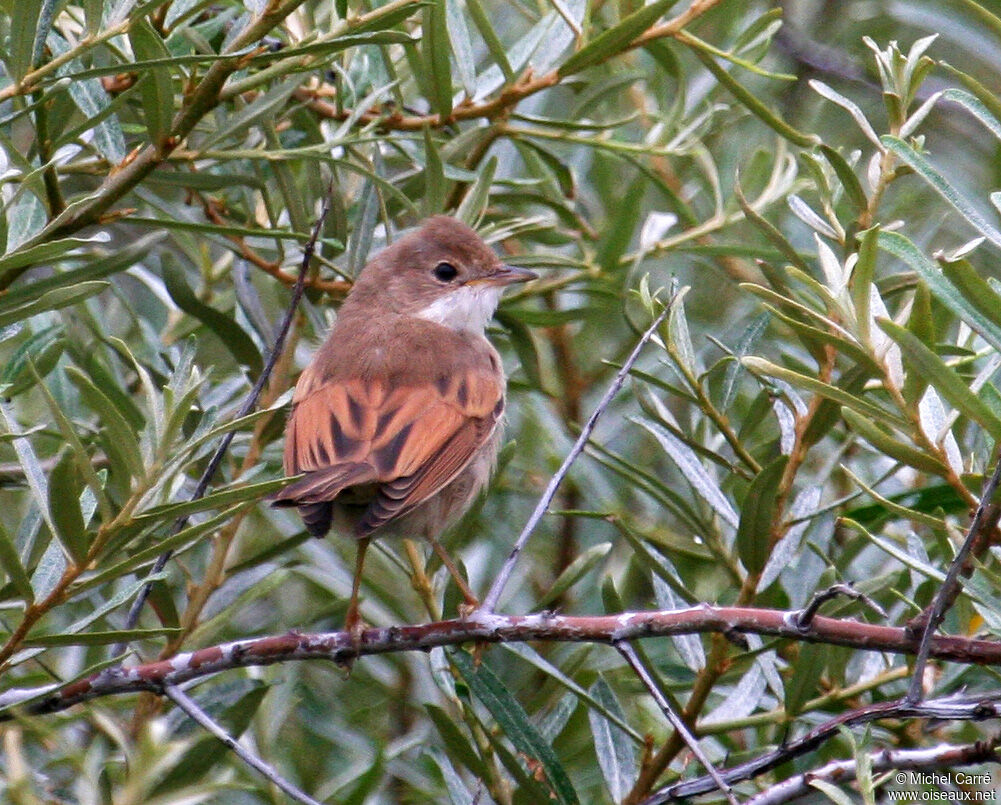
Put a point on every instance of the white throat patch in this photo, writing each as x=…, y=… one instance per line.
x=467, y=308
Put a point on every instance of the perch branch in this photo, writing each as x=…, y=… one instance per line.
x=340, y=647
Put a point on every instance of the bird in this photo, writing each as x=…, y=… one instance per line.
x=396, y=421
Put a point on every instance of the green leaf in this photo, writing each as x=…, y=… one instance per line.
x=895, y=449
x=802, y=685
x=757, y=518
x=155, y=87
x=853, y=188
x=52, y=300
x=861, y=283
x=120, y=432
x=974, y=288
x=838, y=395
x=11, y=563
x=493, y=43
x=514, y=722
x=923, y=168
x=240, y=345
x=98, y=638
x=616, y=753
x=475, y=201
x=436, y=47
x=459, y=745
x=435, y=187
x=756, y=107
x=64, y=506
x=899, y=246
x=944, y=379
x=574, y=572
x=235, y=494
x=615, y=39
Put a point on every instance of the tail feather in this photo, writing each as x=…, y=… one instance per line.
x=317, y=517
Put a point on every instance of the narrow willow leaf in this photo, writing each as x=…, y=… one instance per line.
x=435, y=43
x=745, y=345
x=459, y=745
x=678, y=340
x=802, y=685
x=838, y=395
x=849, y=181
x=462, y=46
x=64, y=506
x=757, y=517
x=803, y=508
x=931, y=175
x=894, y=448
x=756, y=107
x=493, y=43
x=47, y=252
x=34, y=475
x=615, y=39
x=769, y=230
x=240, y=345
x=849, y=106
x=458, y=793
x=10, y=562
x=52, y=300
x=950, y=384
x=861, y=283
x=514, y=722
x=120, y=431
x=106, y=638
x=531, y=656
x=156, y=88
x=435, y=187
x=616, y=754
x=894, y=508
x=475, y=201
x=80, y=454
x=224, y=497
x=977, y=291
x=974, y=106
x=574, y=572
x=689, y=646
x=688, y=463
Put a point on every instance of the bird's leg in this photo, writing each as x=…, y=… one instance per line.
x=472, y=602
x=352, y=621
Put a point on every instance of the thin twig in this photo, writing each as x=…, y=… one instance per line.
x=943, y=756
x=629, y=654
x=805, y=616
x=493, y=596
x=248, y=405
x=195, y=713
x=947, y=592
x=958, y=708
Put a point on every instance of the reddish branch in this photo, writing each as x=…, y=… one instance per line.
x=493, y=628
x=954, y=708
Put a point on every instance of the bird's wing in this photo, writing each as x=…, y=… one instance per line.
x=410, y=440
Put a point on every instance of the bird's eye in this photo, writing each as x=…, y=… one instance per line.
x=445, y=272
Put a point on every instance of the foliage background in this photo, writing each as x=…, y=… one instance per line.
x=154, y=216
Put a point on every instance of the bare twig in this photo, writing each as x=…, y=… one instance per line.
x=943, y=756
x=956, y=708
x=493, y=596
x=803, y=618
x=248, y=405
x=341, y=647
x=629, y=654
x=946, y=594
x=189, y=706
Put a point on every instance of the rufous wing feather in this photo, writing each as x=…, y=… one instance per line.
x=410, y=440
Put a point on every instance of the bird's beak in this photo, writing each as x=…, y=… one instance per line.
x=506, y=275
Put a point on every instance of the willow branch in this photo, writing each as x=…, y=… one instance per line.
x=342, y=647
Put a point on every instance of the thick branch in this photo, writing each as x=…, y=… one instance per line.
x=340, y=647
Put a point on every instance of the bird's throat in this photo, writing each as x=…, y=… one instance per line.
x=467, y=308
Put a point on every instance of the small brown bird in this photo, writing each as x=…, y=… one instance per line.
x=394, y=423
